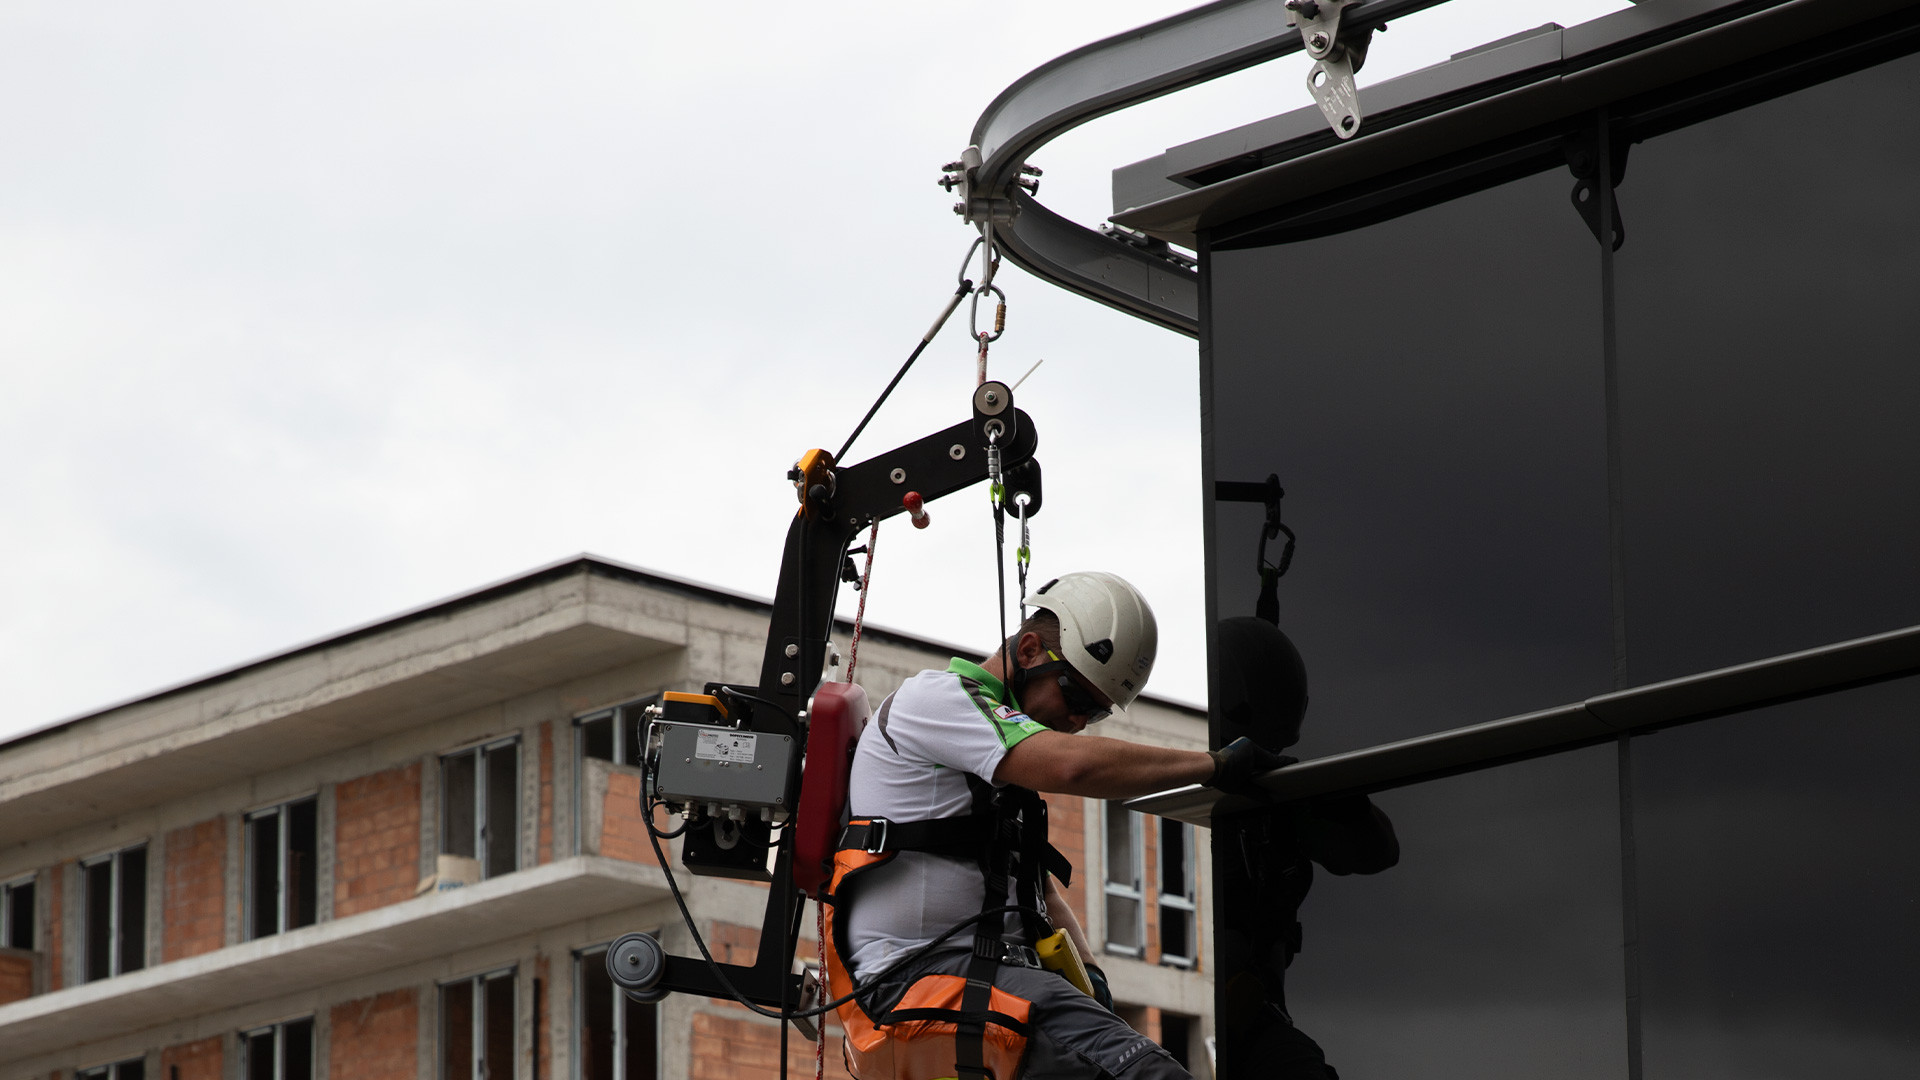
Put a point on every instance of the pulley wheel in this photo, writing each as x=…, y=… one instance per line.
x=635, y=963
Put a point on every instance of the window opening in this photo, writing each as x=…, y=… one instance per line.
x=278, y=1052
x=617, y=734
x=116, y=913
x=1126, y=907
x=17, y=914
x=1178, y=894
x=477, y=1027
x=480, y=806
x=131, y=1069
x=1176, y=1035
x=282, y=854
x=619, y=1037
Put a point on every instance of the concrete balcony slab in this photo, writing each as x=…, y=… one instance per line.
x=363, y=944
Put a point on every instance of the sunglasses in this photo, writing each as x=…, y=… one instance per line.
x=1079, y=701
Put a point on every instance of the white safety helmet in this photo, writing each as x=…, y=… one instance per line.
x=1107, y=631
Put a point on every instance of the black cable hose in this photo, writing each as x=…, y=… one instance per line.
x=965, y=288
x=793, y=722
x=916, y=953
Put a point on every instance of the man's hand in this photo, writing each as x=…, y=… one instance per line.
x=1101, y=993
x=1236, y=764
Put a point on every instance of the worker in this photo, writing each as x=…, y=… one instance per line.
x=965, y=744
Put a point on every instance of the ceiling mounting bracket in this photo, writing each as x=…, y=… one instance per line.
x=1337, y=52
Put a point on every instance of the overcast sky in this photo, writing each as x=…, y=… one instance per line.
x=310, y=314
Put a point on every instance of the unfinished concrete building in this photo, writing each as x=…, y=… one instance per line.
x=398, y=853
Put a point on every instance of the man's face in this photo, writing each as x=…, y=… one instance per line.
x=1044, y=699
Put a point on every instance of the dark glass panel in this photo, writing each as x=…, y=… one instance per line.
x=303, y=855
x=99, y=888
x=642, y=1052
x=1492, y=950
x=1779, y=861
x=133, y=909
x=503, y=809
x=297, y=1050
x=1767, y=330
x=597, y=1003
x=457, y=797
x=456, y=1031
x=263, y=874
x=1429, y=391
x=20, y=916
x=596, y=738
x=260, y=1052
x=500, y=1029
x=135, y=1069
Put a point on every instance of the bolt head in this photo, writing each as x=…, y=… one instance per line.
x=786, y=678
x=793, y=650
x=1318, y=41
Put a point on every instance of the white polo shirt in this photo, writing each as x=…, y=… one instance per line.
x=942, y=726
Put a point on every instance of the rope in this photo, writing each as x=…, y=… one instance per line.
x=820, y=911
x=860, y=616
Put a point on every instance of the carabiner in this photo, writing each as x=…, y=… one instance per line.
x=999, y=315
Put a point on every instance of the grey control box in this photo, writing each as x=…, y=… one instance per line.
x=706, y=763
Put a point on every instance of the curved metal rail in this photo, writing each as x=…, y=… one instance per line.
x=1094, y=80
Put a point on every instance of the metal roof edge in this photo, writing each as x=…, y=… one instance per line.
x=1636, y=51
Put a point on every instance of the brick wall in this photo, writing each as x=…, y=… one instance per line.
x=545, y=851
x=194, y=913
x=740, y=1048
x=623, y=832
x=375, y=1038
x=193, y=1061
x=1066, y=830
x=376, y=858
x=1150, y=887
x=16, y=975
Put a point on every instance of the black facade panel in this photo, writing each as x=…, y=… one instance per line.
x=1429, y=391
x=1432, y=393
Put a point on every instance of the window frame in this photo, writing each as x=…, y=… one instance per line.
x=1112, y=890
x=480, y=753
x=278, y=1031
x=116, y=909
x=477, y=1050
x=1186, y=902
x=596, y=954
x=10, y=911
x=282, y=843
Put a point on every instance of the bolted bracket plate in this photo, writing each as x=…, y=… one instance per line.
x=1336, y=58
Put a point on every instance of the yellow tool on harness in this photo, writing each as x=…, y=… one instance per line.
x=1058, y=954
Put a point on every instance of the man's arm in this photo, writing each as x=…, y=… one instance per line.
x=1061, y=764
x=1064, y=919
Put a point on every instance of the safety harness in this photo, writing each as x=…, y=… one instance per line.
x=949, y=1025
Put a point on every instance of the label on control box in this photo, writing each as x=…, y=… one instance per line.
x=734, y=747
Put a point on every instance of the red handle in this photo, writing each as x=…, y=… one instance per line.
x=916, y=509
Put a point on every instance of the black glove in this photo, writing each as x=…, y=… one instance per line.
x=1101, y=993
x=1237, y=763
